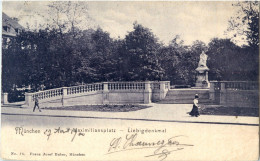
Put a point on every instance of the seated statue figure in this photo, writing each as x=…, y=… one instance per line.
x=203, y=60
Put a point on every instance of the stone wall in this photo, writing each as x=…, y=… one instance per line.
x=235, y=94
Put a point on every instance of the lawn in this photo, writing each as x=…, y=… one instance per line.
x=230, y=111
x=103, y=108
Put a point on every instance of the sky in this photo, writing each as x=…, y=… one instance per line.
x=191, y=20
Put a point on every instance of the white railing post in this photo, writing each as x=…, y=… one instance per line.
x=223, y=93
x=147, y=92
x=162, y=90
x=5, y=100
x=212, y=91
x=105, y=93
x=64, y=95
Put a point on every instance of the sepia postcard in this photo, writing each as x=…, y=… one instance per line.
x=130, y=80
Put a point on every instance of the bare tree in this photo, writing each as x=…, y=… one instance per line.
x=246, y=22
x=68, y=15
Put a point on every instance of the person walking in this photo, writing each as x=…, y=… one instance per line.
x=36, y=104
x=195, y=108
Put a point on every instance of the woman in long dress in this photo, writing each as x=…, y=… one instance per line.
x=195, y=108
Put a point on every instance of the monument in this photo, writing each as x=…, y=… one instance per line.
x=202, y=72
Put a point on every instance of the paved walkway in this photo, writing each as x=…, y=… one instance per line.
x=158, y=112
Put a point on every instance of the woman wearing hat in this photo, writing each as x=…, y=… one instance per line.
x=195, y=108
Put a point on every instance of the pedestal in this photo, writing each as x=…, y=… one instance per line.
x=202, y=78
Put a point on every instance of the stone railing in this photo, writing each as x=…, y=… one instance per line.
x=48, y=94
x=126, y=85
x=240, y=85
x=84, y=88
x=107, y=92
x=235, y=93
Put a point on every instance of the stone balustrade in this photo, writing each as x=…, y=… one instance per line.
x=126, y=85
x=84, y=88
x=101, y=93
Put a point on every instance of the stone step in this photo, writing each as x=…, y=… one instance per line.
x=186, y=96
x=170, y=92
x=186, y=93
x=206, y=95
x=181, y=98
x=206, y=101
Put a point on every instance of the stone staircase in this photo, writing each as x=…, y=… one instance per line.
x=186, y=96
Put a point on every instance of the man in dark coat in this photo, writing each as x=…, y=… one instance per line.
x=36, y=104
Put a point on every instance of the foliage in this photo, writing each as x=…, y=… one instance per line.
x=49, y=58
x=140, y=55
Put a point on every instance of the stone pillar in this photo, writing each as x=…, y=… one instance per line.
x=223, y=94
x=162, y=90
x=28, y=100
x=5, y=99
x=105, y=93
x=147, y=93
x=212, y=91
x=64, y=95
